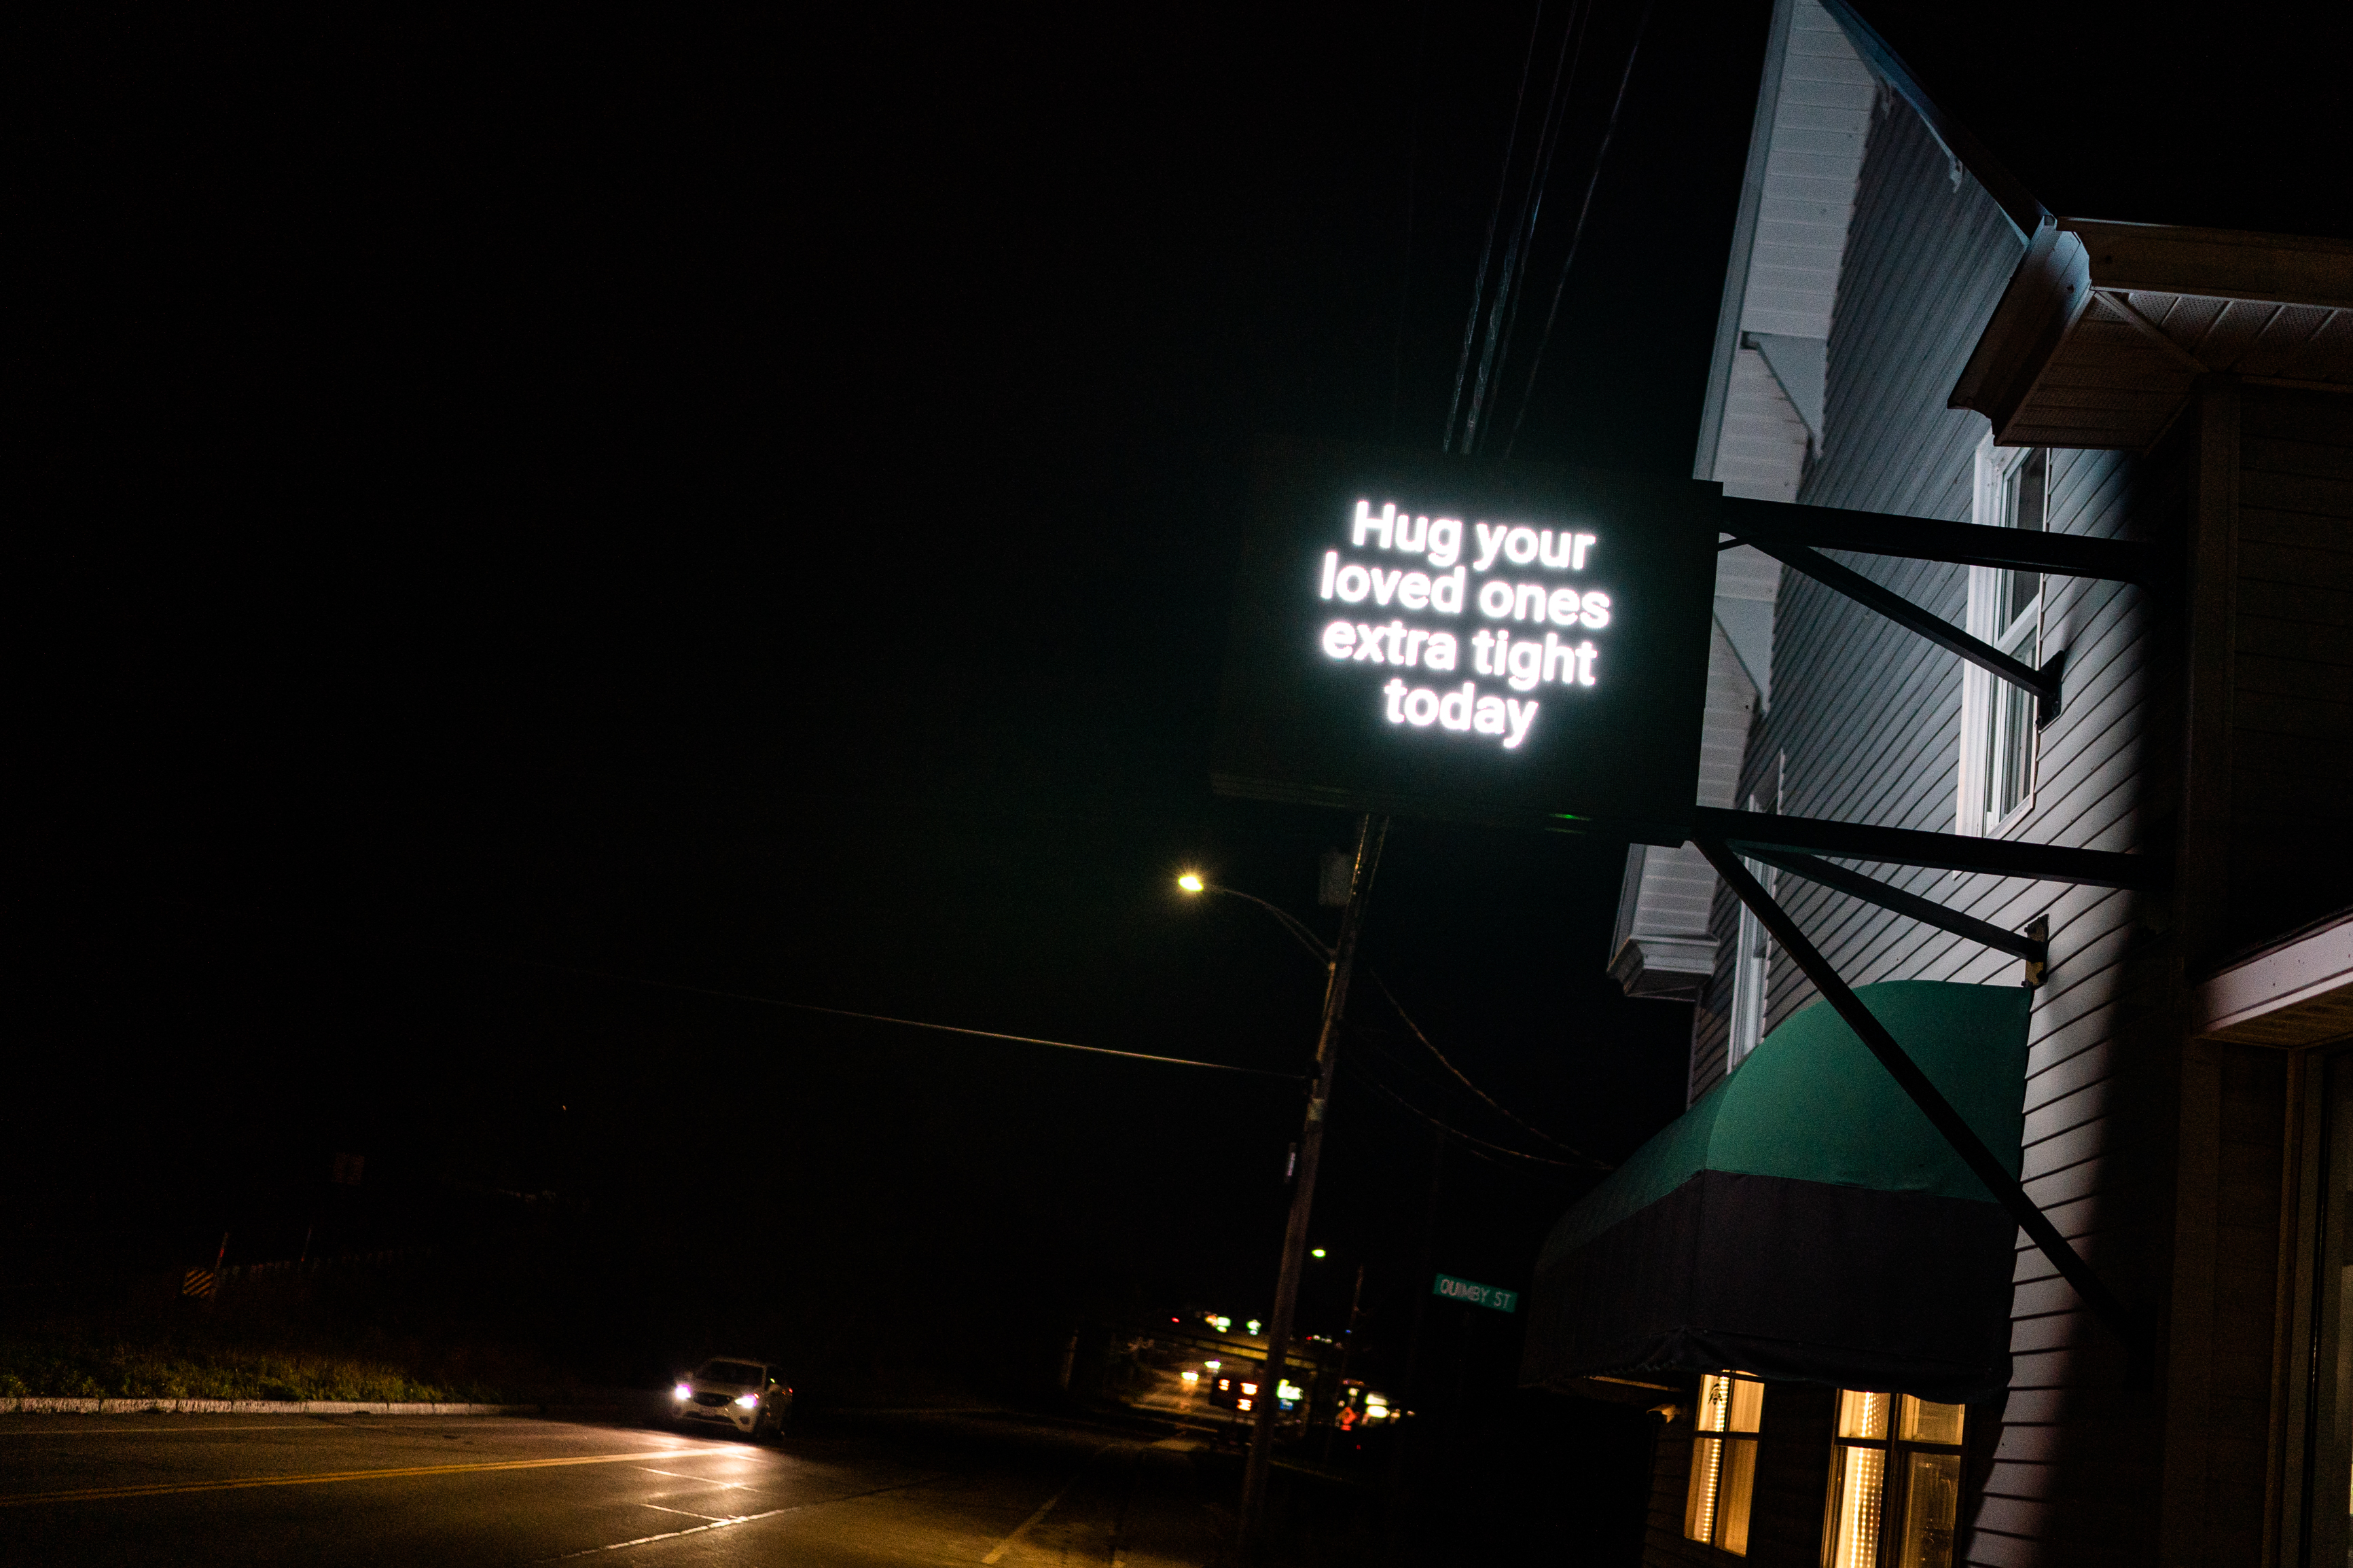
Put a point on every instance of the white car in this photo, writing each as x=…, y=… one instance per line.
x=747, y=1395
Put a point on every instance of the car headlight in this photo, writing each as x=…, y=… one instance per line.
x=748, y=1401
x=683, y=1392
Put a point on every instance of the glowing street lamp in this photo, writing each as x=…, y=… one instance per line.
x=1191, y=883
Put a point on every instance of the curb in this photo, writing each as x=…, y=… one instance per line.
x=43, y=1404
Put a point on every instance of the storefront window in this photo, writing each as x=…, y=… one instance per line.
x=1723, y=1462
x=1895, y=1482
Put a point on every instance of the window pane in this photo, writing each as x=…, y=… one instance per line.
x=1733, y=1495
x=1926, y=1422
x=2017, y=738
x=2019, y=591
x=1855, y=1481
x=2033, y=489
x=1714, y=1402
x=1932, y=1501
x=2009, y=724
x=1748, y=1405
x=1699, y=1502
x=1862, y=1415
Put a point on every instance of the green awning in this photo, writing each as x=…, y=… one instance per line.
x=1804, y=1220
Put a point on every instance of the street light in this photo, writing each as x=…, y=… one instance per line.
x=1191, y=883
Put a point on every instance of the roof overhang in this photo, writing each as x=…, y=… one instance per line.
x=2295, y=992
x=2106, y=327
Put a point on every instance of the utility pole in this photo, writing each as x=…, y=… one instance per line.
x=1371, y=832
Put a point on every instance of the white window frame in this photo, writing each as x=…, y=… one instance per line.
x=1752, y=974
x=1983, y=704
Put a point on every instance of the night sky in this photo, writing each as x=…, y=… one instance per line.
x=557, y=509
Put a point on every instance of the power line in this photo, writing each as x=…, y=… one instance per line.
x=1366, y=1079
x=1427, y=1045
x=1593, y=181
x=903, y=1022
x=1505, y=309
x=1315, y=947
x=1494, y=216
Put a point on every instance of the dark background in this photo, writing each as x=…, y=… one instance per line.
x=750, y=507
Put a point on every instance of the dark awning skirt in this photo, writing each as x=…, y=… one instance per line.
x=1804, y=1221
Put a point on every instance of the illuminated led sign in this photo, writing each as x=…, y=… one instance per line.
x=1510, y=642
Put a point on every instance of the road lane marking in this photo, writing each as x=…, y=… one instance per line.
x=706, y=1480
x=169, y=1489
x=689, y=1513
x=740, y=1519
x=1002, y=1547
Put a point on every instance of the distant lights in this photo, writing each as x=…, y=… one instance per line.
x=1316, y=1253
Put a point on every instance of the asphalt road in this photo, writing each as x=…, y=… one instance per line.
x=997, y=1491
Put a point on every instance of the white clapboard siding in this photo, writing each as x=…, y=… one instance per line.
x=1864, y=726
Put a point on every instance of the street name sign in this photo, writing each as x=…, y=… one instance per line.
x=1477, y=1295
x=1501, y=642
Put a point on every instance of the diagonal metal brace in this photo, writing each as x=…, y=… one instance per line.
x=2005, y=1188
x=2044, y=683
x=1933, y=539
x=1754, y=830
x=1870, y=890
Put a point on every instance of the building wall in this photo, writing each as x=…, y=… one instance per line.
x=2292, y=709
x=1865, y=727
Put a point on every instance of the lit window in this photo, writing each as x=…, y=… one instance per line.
x=1902, y=1486
x=1724, y=1461
x=2006, y=610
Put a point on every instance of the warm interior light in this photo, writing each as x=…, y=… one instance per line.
x=1191, y=883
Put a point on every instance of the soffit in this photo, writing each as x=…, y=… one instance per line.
x=2297, y=993
x=1811, y=165
x=1813, y=129
x=2105, y=327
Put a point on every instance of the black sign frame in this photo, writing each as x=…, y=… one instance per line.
x=1613, y=742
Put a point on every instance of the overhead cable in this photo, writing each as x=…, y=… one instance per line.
x=1315, y=945
x=1504, y=311
x=1369, y=1080
x=1494, y=216
x=1497, y=1105
x=903, y=1023
x=1593, y=182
